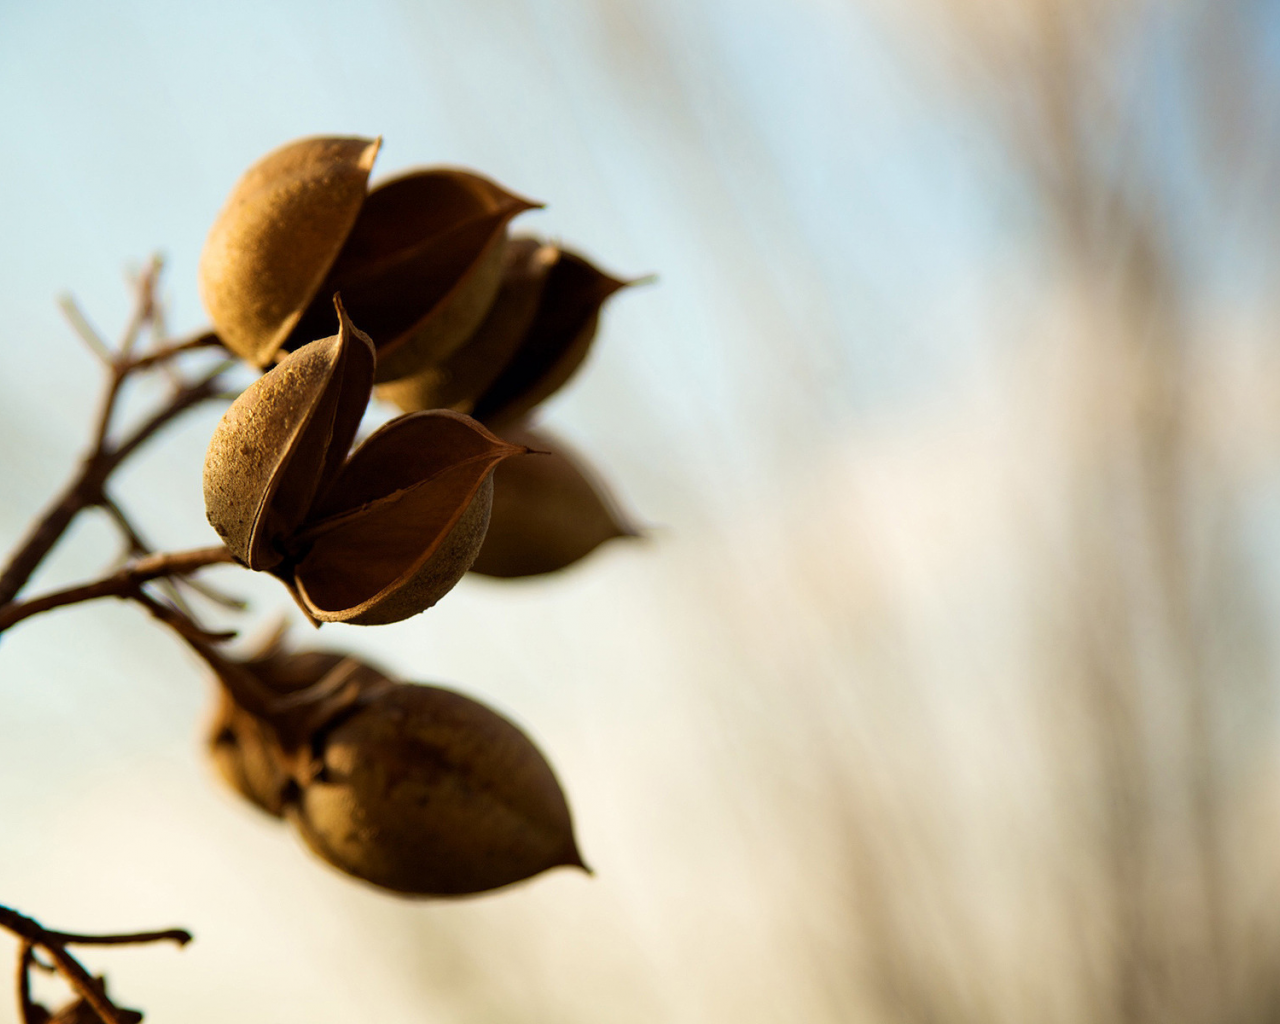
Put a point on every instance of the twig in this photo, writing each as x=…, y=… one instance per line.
x=124, y=583
x=201, y=391
x=26, y=955
x=85, y=330
x=135, y=546
x=179, y=620
x=33, y=934
x=162, y=355
x=179, y=935
x=85, y=489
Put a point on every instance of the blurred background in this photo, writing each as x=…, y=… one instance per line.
x=943, y=688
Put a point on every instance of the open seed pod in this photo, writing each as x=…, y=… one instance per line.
x=371, y=539
x=270, y=706
x=428, y=792
x=535, y=337
x=548, y=511
x=419, y=258
x=402, y=522
x=283, y=441
x=276, y=238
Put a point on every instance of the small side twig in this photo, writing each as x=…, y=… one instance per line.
x=124, y=583
x=33, y=934
x=85, y=488
x=85, y=331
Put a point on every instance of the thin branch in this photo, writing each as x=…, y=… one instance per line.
x=33, y=934
x=213, y=594
x=179, y=620
x=201, y=391
x=167, y=352
x=135, y=546
x=85, y=489
x=85, y=330
x=124, y=583
x=84, y=985
x=145, y=307
x=179, y=935
x=30, y=1012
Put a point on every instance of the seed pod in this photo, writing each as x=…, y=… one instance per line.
x=371, y=539
x=457, y=381
x=548, y=512
x=283, y=441
x=422, y=266
x=536, y=336
x=419, y=258
x=256, y=751
x=276, y=238
x=428, y=792
x=556, y=344
x=403, y=521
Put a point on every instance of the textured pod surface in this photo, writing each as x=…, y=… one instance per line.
x=248, y=751
x=547, y=512
x=555, y=344
x=247, y=756
x=282, y=441
x=458, y=380
x=348, y=578
x=428, y=792
x=276, y=238
x=421, y=267
x=403, y=521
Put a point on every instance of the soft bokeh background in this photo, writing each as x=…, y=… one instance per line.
x=944, y=686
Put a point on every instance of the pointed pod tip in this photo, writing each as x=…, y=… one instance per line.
x=640, y=282
x=515, y=205
x=573, y=858
x=346, y=328
x=366, y=159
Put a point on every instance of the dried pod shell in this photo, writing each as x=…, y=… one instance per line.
x=256, y=753
x=547, y=512
x=555, y=344
x=421, y=266
x=247, y=755
x=457, y=381
x=403, y=521
x=276, y=238
x=428, y=792
x=282, y=441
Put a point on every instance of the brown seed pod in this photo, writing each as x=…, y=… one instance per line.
x=289, y=696
x=428, y=792
x=548, y=511
x=283, y=441
x=418, y=258
x=535, y=338
x=371, y=539
x=403, y=521
x=422, y=266
x=456, y=382
x=276, y=238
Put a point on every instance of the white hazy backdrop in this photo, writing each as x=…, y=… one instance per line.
x=943, y=688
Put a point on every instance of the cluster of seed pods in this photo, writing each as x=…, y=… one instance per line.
x=412, y=289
